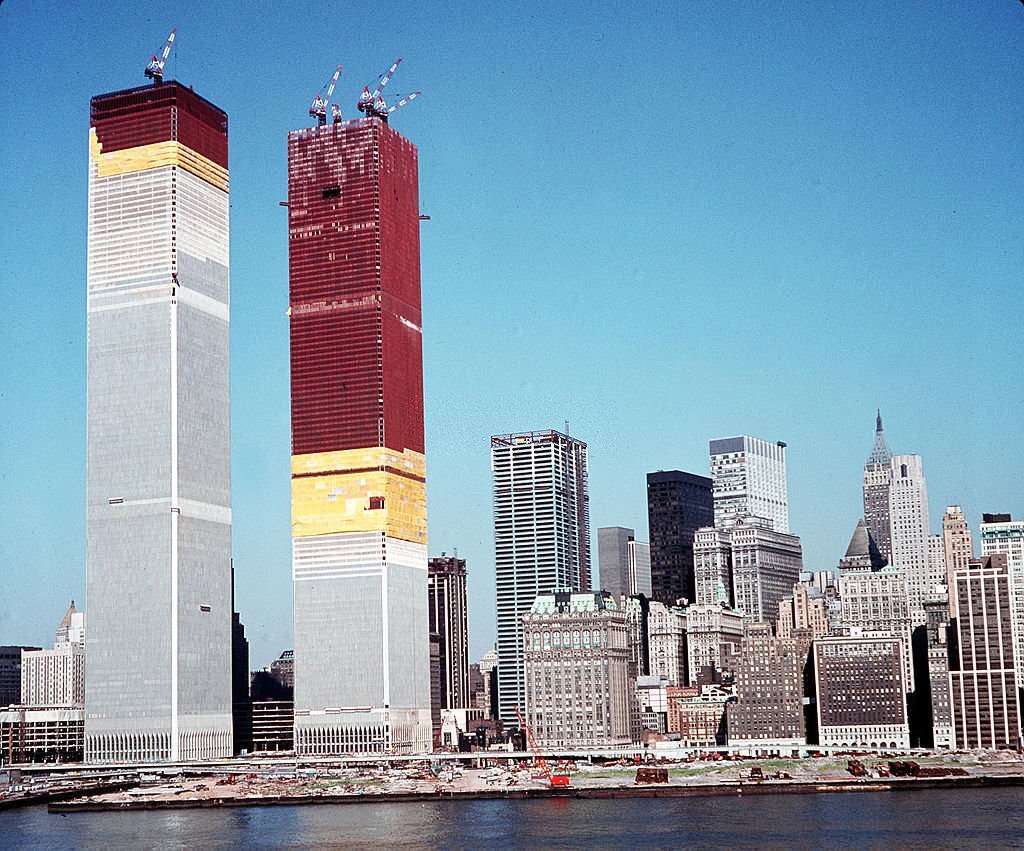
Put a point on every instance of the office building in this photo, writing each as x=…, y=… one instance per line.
x=862, y=553
x=1002, y=535
x=861, y=694
x=666, y=641
x=651, y=705
x=748, y=565
x=937, y=651
x=359, y=522
x=638, y=610
x=10, y=673
x=875, y=603
x=938, y=579
x=273, y=726
x=908, y=523
x=158, y=484
x=624, y=563
x=713, y=635
x=448, y=617
x=877, y=484
x=56, y=677
x=678, y=504
x=697, y=715
x=805, y=610
x=712, y=564
x=749, y=476
x=41, y=734
x=984, y=685
x=575, y=671
x=768, y=715
x=766, y=564
x=489, y=672
x=541, y=538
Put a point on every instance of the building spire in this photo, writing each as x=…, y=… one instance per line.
x=880, y=453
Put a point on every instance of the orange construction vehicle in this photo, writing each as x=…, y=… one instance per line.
x=557, y=778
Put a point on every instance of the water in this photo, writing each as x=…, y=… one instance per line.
x=974, y=818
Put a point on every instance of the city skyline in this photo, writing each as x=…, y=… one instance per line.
x=819, y=411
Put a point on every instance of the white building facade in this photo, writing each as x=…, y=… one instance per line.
x=749, y=476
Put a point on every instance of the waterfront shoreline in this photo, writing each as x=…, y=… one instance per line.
x=732, y=789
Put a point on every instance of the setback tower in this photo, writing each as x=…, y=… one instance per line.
x=158, y=490
x=359, y=525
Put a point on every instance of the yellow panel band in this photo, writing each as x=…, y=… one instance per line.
x=364, y=490
x=157, y=155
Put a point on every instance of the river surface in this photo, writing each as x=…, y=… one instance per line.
x=966, y=818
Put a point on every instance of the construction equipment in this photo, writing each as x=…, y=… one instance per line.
x=155, y=68
x=318, y=109
x=557, y=778
x=367, y=100
x=373, y=105
x=336, y=113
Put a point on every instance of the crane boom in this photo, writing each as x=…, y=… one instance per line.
x=155, y=68
x=386, y=77
x=403, y=102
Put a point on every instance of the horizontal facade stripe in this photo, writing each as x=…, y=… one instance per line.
x=156, y=155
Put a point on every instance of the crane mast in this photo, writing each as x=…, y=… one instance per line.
x=318, y=109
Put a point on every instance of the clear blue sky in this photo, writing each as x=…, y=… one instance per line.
x=664, y=223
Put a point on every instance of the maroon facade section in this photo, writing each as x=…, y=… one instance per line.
x=354, y=271
x=167, y=112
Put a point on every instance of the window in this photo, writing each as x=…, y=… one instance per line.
x=376, y=502
x=332, y=192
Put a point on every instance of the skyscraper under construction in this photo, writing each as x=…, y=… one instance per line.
x=158, y=496
x=359, y=555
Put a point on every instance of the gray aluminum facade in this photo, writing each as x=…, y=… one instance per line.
x=158, y=492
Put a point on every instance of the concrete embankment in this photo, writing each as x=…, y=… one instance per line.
x=55, y=795
x=653, y=791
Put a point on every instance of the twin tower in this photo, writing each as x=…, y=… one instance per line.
x=158, y=555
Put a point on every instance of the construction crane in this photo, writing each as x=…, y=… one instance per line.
x=557, y=778
x=368, y=100
x=155, y=68
x=336, y=113
x=319, y=105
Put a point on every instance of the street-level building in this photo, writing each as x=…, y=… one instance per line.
x=42, y=734
x=768, y=714
x=575, y=665
x=984, y=686
x=860, y=693
x=697, y=715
